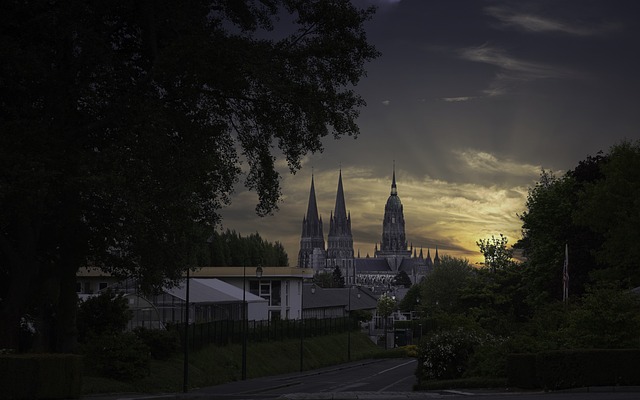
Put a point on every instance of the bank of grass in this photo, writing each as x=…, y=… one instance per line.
x=215, y=365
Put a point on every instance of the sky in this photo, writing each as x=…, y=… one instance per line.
x=471, y=100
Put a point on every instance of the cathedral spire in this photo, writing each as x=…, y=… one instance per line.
x=341, y=209
x=312, y=207
x=312, y=236
x=394, y=189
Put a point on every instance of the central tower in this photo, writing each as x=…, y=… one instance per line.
x=340, y=240
x=394, y=242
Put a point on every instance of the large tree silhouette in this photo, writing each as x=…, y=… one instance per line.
x=124, y=125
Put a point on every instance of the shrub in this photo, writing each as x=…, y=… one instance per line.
x=40, y=376
x=161, y=343
x=107, y=313
x=120, y=356
x=446, y=354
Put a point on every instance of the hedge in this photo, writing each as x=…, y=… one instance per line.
x=564, y=369
x=40, y=376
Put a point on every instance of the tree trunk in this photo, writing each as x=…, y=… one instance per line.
x=22, y=267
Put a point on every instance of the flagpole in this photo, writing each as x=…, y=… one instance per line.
x=565, y=274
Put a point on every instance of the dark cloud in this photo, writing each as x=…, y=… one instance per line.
x=471, y=99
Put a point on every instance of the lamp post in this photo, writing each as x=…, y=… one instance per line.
x=245, y=316
x=313, y=290
x=244, y=321
x=349, y=326
x=185, y=380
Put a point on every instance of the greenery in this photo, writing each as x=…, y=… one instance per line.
x=231, y=249
x=326, y=279
x=125, y=126
x=221, y=364
x=474, y=318
x=121, y=356
x=162, y=344
x=105, y=314
x=40, y=376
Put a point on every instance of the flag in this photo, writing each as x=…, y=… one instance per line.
x=565, y=274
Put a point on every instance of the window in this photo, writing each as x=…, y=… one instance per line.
x=276, y=293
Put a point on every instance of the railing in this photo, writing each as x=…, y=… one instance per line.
x=222, y=333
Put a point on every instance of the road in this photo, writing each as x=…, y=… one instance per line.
x=365, y=380
x=390, y=375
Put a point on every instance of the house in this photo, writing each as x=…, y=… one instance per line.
x=324, y=303
x=280, y=287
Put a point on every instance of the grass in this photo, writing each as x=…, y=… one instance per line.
x=215, y=365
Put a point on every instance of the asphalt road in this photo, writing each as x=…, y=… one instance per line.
x=366, y=380
x=390, y=375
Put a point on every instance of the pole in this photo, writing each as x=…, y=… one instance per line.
x=185, y=378
x=349, y=327
x=244, y=322
x=301, y=321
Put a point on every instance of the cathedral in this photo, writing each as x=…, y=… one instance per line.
x=393, y=256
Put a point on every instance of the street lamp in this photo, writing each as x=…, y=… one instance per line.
x=185, y=378
x=349, y=326
x=245, y=316
x=244, y=321
x=313, y=290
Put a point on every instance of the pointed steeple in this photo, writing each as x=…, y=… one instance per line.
x=436, y=259
x=312, y=236
x=341, y=209
x=312, y=207
x=394, y=189
x=340, y=239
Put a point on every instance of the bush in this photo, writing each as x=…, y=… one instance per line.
x=446, y=354
x=565, y=369
x=120, y=356
x=107, y=313
x=40, y=376
x=162, y=343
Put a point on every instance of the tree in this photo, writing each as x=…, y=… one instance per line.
x=231, y=249
x=385, y=307
x=609, y=207
x=441, y=288
x=337, y=280
x=402, y=279
x=548, y=225
x=124, y=125
x=495, y=252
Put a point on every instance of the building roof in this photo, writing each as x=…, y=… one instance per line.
x=372, y=264
x=317, y=297
x=250, y=272
x=212, y=291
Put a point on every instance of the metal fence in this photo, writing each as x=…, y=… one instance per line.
x=222, y=333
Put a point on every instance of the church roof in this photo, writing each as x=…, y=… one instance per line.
x=364, y=265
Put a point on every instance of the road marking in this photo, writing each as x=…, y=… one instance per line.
x=397, y=366
x=459, y=392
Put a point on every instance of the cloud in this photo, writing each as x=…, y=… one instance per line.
x=530, y=22
x=439, y=212
x=512, y=70
x=386, y=102
x=489, y=164
x=457, y=99
x=499, y=58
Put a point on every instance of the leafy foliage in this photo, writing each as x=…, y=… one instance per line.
x=402, y=279
x=386, y=305
x=121, y=356
x=231, y=249
x=125, y=125
x=495, y=251
x=446, y=354
x=108, y=313
x=162, y=343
